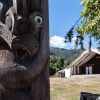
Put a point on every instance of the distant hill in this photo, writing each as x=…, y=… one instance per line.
x=65, y=53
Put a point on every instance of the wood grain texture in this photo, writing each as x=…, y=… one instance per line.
x=24, y=50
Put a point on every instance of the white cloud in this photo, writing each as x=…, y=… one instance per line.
x=57, y=41
x=73, y=41
x=74, y=38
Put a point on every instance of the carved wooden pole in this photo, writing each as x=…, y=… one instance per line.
x=24, y=50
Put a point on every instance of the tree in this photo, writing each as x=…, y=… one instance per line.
x=69, y=61
x=52, y=68
x=56, y=64
x=60, y=63
x=89, y=22
x=90, y=18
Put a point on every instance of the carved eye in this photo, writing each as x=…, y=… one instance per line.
x=1, y=5
x=38, y=19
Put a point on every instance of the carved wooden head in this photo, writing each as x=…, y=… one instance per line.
x=24, y=48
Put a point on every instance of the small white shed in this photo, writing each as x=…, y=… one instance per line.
x=67, y=73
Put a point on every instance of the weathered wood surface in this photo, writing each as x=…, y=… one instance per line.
x=24, y=50
x=89, y=96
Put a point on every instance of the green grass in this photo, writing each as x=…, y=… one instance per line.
x=70, y=89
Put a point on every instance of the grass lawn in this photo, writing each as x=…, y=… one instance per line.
x=69, y=89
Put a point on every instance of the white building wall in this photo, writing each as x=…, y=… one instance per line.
x=67, y=73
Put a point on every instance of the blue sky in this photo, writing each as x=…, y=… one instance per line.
x=62, y=16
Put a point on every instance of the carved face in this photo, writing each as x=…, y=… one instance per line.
x=20, y=42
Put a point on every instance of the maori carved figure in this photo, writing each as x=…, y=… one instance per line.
x=24, y=50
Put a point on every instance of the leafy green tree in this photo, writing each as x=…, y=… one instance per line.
x=89, y=22
x=60, y=63
x=56, y=64
x=90, y=18
x=52, y=70
x=53, y=63
x=69, y=61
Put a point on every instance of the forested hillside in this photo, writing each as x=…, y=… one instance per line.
x=64, y=53
x=61, y=58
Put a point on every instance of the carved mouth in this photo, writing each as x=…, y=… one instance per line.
x=25, y=46
x=22, y=52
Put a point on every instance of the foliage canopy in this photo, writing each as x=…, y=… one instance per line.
x=89, y=22
x=56, y=64
x=90, y=18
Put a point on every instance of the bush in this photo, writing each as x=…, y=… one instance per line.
x=52, y=71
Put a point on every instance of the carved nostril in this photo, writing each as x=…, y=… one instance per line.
x=21, y=53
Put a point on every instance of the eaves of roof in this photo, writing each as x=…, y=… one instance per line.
x=84, y=57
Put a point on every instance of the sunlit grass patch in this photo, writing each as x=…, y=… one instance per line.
x=70, y=89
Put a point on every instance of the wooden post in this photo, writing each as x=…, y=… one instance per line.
x=74, y=70
x=24, y=47
x=78, y=70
